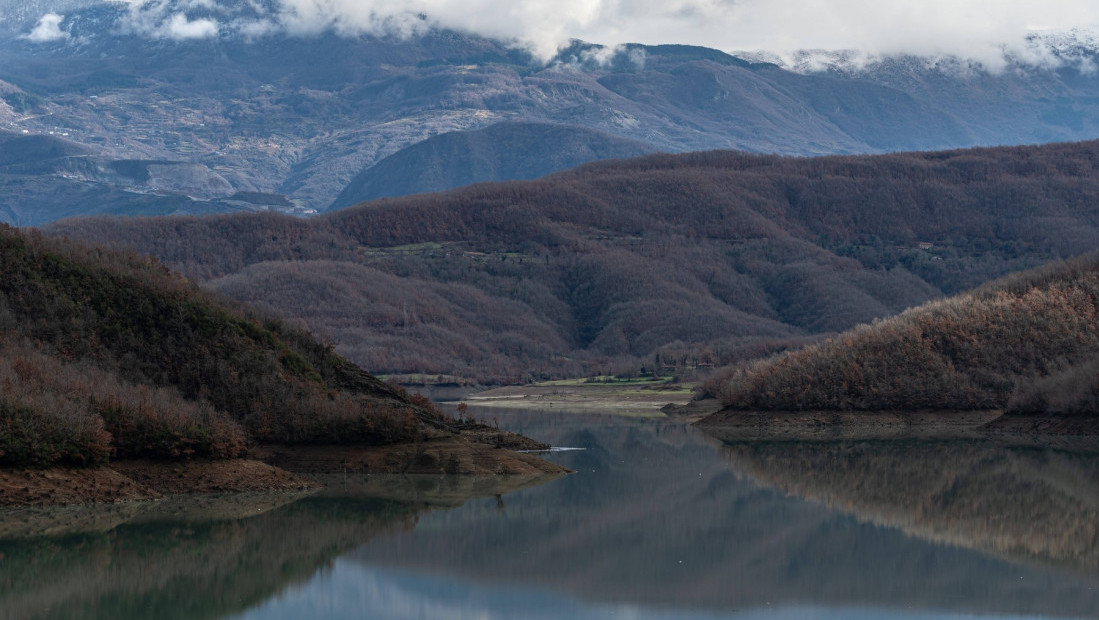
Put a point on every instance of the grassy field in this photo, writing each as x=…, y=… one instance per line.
x=643, y=398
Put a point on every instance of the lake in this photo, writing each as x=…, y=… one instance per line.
x=659, y=521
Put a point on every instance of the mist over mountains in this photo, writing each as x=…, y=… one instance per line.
x=296, y=113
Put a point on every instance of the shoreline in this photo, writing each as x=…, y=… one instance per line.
x=140, y=480
x=737, y=425
x=425, y=491
x=269, y=469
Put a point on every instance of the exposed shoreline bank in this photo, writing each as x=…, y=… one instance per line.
x=269, y=469
x=424, y=492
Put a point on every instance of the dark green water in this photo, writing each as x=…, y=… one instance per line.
x=659, y=521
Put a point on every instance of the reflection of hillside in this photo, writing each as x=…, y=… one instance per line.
x=654, y=517
x=1025, y=504
x=181, y=570
x=179, y=562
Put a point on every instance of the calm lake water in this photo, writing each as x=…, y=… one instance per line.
x=660, y=521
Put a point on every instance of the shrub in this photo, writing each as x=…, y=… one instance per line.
x=158, y=424
x=60, y=411
x=336, y=418
x=1073, y=390
x=58, y=433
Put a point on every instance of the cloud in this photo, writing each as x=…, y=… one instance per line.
x=306, y=17
x=979, y=30
x=48, y=29
x=179, y=27
x=170, y=20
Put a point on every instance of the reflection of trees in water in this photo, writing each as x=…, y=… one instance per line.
x=1027, y=504
x=187, y=570
x=653, y=516
x=209, y=556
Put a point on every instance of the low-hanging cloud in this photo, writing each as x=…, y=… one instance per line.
x=980, y=30
x=180, y=27
x=48, y=29
x=169, y=19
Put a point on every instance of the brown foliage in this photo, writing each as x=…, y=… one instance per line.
x=973, y=351
x=607, y=264
x=137, y=360
x=74, y=413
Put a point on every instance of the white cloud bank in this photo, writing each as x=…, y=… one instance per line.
x=976, y=29
x=48, y=29
x=169, y=19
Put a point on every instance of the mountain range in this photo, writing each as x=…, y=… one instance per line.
x=299, y=118
x=638, y=265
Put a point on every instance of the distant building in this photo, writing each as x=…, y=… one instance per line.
x=926, y=245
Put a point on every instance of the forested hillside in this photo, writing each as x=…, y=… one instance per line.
x=662, y=262
x=107, y=355
x=1027, y=343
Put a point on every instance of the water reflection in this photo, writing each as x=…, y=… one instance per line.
x=205, y=557
x=184, y=570
x=657, y=519
x=1031, y=503
x=352, y=591
x=660, y=521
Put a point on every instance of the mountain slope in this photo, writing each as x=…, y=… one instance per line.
x=105, y=355
x=78, y=322
x=303, y=115
x=979, y=350
x=503, y=152
x=46, y=178
x=652, y=262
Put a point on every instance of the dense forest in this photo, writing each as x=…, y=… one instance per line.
x=1027, y=343
x=106, y=355
x=659, y=263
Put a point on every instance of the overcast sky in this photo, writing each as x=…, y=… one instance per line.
x=977, y=29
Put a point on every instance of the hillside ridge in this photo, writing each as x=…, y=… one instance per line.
x=107, y=357
x=1025, y=344
x=653, y=264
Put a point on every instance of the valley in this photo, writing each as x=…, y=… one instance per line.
x=701, y=333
